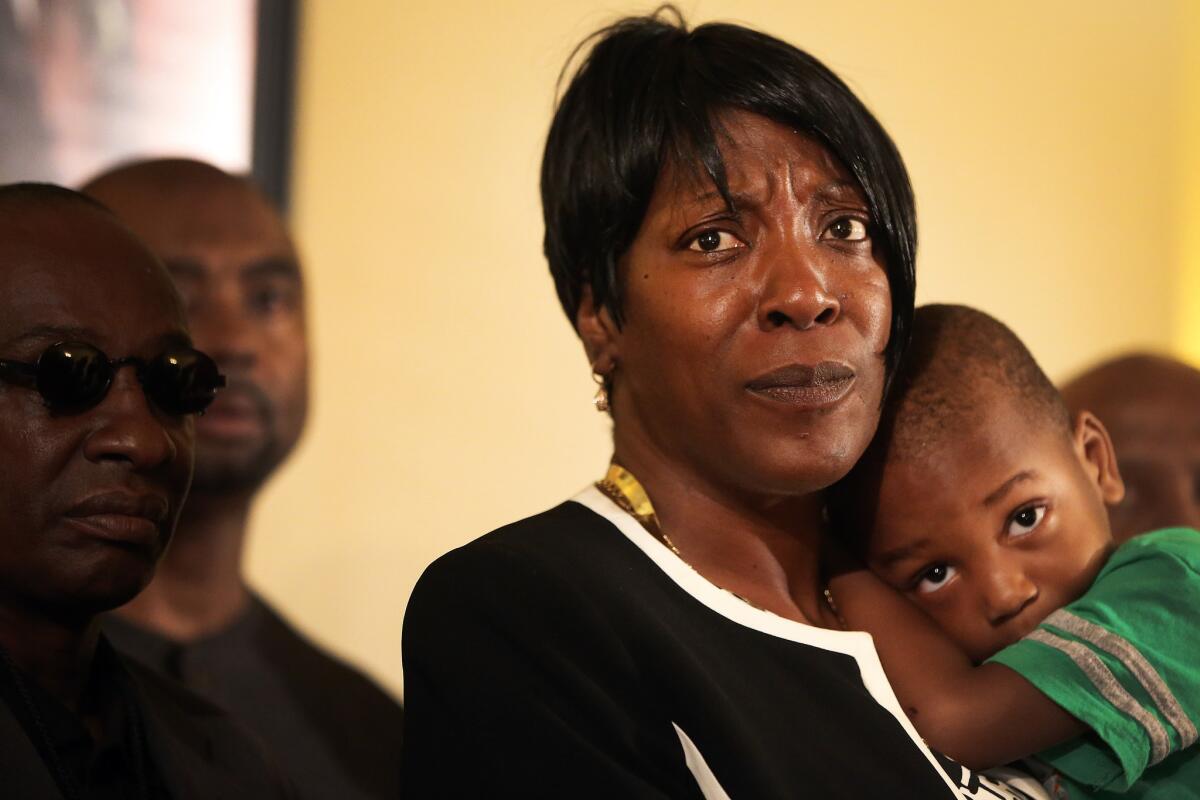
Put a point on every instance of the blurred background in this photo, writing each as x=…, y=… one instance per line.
x=1054, y=146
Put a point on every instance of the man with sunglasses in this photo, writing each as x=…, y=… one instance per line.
x=335, y=732
x=99, y=389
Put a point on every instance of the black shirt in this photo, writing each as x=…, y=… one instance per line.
x=330, y=728
x=573, y=655
x=118, y=765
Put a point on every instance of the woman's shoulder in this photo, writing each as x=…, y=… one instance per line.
x=544, y=581
x=569, y=531
x=547, y=553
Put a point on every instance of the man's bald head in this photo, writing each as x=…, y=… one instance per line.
x=164, y=173
x=1151, y=407
x=234, y=262
x=15, y=197
x=171, y=201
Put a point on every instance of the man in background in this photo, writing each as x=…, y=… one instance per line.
x=333, y=731
x=1151, y=407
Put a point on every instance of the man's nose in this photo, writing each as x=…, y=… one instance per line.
x=129, y=430
x=796, y=288
x=1008, y=590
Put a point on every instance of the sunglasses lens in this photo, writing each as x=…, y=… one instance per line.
x=73, y=376
x=182, y=381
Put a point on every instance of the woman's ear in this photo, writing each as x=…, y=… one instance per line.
x=1095, y=450
x=598, y=332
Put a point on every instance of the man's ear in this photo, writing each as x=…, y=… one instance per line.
x=1095, y=450
x=599, y=333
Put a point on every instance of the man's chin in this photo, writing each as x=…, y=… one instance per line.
x=79, y=601
x=229, y=475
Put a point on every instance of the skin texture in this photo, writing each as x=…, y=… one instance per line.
x=1001, y=526
x=1151, y=407
x=237, y=270
x=990, y=530
x=716, y=298
x=101, y=286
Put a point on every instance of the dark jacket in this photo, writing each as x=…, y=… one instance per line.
x=197, y=750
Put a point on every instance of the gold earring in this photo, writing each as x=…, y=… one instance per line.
x=600, y=401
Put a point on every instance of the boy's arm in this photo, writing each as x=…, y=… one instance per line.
x=982, y=716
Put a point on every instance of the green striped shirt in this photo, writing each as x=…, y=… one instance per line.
x=1125, y=659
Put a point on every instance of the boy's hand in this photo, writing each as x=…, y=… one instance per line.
x=982, y=716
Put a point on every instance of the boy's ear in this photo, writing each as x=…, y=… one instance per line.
x=598, y=332
x=1095, y=449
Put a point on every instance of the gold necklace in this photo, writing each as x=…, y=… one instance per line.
x=620, y=486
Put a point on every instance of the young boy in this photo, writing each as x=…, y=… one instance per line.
x=984, y=504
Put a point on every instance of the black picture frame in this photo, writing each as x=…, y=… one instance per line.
x=275, y=97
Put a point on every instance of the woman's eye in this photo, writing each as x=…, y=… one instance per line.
x=846, y=229
x=1026, y=519
x=935, y=578
x=715, y=242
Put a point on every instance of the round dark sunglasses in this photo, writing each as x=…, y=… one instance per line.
x=72, y=377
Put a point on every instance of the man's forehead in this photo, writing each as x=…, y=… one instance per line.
x=243, y=222
x=197, y=208
x=1170, y=411
x=1151, y=435
x=96, y=277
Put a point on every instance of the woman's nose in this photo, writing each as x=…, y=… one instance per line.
x=1007, y=592
x=796, y=289
x=129, y=431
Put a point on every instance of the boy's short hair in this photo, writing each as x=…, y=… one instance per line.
x=649, y=93
x=957, y=356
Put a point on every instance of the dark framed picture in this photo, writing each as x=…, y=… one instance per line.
x=85, y=84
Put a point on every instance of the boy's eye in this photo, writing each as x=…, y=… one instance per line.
x=935, y=578
x=846, y=229
x=1026, y=519
x=714, y=241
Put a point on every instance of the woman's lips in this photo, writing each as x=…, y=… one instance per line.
x=805, y=386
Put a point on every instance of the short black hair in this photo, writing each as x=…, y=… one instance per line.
x=957, y=358
x=648, y=93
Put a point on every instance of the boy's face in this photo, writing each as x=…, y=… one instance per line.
x=995, y=528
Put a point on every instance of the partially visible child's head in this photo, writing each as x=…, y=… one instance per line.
x=979, y=497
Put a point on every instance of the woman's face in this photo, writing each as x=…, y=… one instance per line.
x=752, y=346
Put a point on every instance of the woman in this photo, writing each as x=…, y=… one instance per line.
x=733, y=235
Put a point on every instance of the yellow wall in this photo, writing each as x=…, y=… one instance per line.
x=1186, y=221
x=451, y=395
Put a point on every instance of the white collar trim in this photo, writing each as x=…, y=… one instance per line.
x=855, y=644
